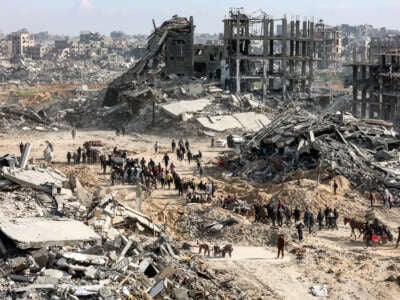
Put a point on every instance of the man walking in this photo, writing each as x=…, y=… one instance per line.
x=281, y=245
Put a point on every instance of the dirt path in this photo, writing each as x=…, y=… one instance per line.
x=262, y=274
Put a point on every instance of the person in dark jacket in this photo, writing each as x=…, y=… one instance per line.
x=296, y=214
x=281, y=245
x=320, y=219
x=69, y=156
x=307, y=214
x=300, y=226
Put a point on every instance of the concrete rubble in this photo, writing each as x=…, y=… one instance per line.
x=53, y=249
x=364, y=151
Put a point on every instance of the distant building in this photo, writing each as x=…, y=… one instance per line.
x=35, y=52
x=5, y=49
x=20, y=41
x=41, y=37
x=89, y=36
x=62, y=44
x=116, y=35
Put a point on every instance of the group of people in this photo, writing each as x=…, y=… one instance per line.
x=149, y=173
x=388, y=199
x=280, y=214
x=234, y=204
x=77, y=157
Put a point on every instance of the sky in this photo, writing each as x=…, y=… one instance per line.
x=135, y=16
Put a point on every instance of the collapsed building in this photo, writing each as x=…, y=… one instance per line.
x=276, y=52
x=364, y=151
x=169, y=51
x=376, y=85
x=258, y=52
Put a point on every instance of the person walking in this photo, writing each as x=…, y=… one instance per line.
x=21, y=148
x=296, y=214
x=281, y=245
x=173, y=145
x=320, y=219
x=156, y=147
x=335, y=187
x=73, y=132
x=300, y=226
x=69, y=156
x=398, y=238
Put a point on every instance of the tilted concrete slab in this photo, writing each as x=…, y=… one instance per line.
x=252, y=121
x=178, y=108
x=35, y=232
x=37, y=178
x=219, y=123
x=248, y=121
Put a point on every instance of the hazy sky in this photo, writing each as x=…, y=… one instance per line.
x=134, y=16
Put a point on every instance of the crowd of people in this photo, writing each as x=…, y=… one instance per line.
x=149, y=173
x=280, y=214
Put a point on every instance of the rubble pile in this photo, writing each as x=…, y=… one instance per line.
x=30, y=72
x=54, y=245
x=364, y=151
x=218, y=226
x=13, y=116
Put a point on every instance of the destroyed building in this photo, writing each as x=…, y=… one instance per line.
x=329, y=48
x=169, y=51
x=207, y=61
x=276, y=52
x=376, y=85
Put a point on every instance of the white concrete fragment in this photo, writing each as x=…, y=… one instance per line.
x=37, y=178
x=249, y=121
x=178, y=108
x=36, y=232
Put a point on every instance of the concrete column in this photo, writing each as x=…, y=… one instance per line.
x=25, y=156
x=271, y=52
x=237, y=54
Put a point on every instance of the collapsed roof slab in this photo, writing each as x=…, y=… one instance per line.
x=249, y=121
x=178, y=108
x=38, y=232
x=37, y=178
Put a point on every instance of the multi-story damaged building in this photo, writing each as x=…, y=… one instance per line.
x=277, y=53
x=376, y=80
x=179, y=50
x=207, y=61
x=329, y=46
x=169, y=51
x=20, y=41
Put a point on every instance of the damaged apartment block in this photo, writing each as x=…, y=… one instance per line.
x=329, y=48
x=274, y=52
x=169, y=51
x=376, y=80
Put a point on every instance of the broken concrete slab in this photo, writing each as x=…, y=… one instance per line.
x=249, y=121
x=85, y=258
x=139, y=217
x=37, y=178
x=41, y=232
x=178, y=108
x=34, y=287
